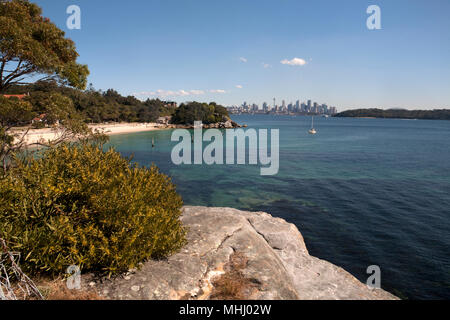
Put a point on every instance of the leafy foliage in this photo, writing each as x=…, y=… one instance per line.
x=32, y=45
x=79, y=205
x=195, y=111
x=56, y=108
x=14, y=112
x=97, y=106
x=443, y=114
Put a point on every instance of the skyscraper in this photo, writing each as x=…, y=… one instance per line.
x=315, y=108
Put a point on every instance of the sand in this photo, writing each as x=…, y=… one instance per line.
x=36, y=135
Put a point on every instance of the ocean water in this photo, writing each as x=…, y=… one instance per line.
x=362, y=192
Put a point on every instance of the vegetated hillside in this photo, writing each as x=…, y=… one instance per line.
x=97, y=106
x=442, y=114
x=195, y=111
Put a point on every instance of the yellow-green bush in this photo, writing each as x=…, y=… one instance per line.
x=79, y=205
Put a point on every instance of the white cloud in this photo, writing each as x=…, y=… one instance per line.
x=242, y=59
x=266, y=65
x=171, y=93
x=239, y=86
x=176, y=93
x=196, y=92
x=294, y=62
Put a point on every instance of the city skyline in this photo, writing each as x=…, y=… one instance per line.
x=233, y=51
x=298, y=106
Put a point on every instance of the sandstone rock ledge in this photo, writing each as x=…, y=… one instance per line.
x=278, y=261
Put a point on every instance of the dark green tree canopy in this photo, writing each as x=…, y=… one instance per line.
x=442, y=114
x=195, y=111
x=31, y=46
x=95, y=106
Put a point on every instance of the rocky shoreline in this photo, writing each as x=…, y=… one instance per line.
x=278, y=263
x=219, y=125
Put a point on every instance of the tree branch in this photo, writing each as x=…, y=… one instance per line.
x=13, y=72
x=2, y=68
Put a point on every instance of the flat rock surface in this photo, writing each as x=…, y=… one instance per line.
x=278, y=262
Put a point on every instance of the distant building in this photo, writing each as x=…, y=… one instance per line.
x=164, y=120
x=40, y=118
x=170, y=104
x=333, y=110
x=298, y=107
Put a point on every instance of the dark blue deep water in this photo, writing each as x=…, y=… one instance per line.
x=362, y=192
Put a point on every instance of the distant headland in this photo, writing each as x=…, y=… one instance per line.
x=441, y=114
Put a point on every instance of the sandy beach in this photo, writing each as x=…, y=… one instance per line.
x=36, y=135
x=122, y=128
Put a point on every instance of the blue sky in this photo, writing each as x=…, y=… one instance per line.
x=231, y=51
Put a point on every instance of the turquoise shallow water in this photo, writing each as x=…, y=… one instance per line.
x=362, y=192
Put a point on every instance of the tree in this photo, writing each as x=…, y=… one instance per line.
x=196, y=111
x=60, y=114
x=397, y=114
x=13, y=112
x=31, y=46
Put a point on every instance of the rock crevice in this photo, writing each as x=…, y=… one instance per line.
x=277, y=259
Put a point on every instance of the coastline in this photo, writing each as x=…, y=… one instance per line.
x=124, y=128
x=36, y=135
x=276, y=258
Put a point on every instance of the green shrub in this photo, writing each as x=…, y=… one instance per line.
x=79, y=205
x=195, y=111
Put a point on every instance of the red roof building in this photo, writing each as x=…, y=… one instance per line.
x=19, y=96
x=41, y=118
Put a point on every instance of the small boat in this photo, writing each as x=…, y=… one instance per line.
x=312, y=131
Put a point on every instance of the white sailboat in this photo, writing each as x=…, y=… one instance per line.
x=312, y=131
